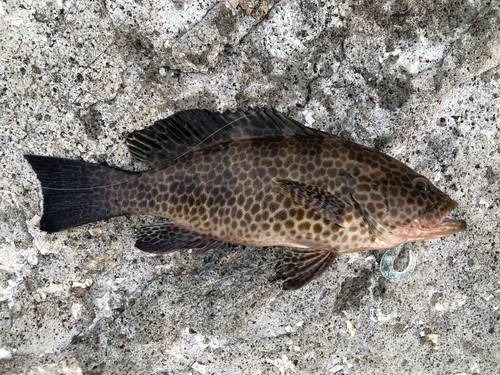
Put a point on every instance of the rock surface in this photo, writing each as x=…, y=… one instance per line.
x=419, y=80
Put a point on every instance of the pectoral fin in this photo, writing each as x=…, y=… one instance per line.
x=312, y=197
x=301, y=266
x=164, y=238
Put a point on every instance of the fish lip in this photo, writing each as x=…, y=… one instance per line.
x=445, y=227
x=448, y=222
x=453, y=225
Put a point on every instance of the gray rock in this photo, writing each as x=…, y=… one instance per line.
x=419, y=80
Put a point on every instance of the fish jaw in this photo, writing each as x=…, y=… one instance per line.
x=435, y=223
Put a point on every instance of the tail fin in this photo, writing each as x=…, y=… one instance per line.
x=75, y=192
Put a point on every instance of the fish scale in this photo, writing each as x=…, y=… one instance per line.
x=253, y=178
x=246, y=207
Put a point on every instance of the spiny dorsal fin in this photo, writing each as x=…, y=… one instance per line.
x=198, y=129
x=161, y=238
x=301, y=266
x=312, y=197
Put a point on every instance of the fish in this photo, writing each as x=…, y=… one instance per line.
x=252, y=177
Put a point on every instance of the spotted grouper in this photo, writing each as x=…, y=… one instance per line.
x=255, y=178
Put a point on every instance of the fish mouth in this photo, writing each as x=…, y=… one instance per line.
x=435, y=225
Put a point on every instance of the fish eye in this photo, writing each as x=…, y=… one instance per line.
x=420, y=183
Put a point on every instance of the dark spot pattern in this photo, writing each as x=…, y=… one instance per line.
x=284, y=185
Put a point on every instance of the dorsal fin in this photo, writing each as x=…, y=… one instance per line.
x=198, y=129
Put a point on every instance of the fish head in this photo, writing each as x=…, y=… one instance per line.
x=401, y=205
x=421, y=210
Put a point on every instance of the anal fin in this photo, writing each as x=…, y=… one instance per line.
x=301, y=266
x=162, y=238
